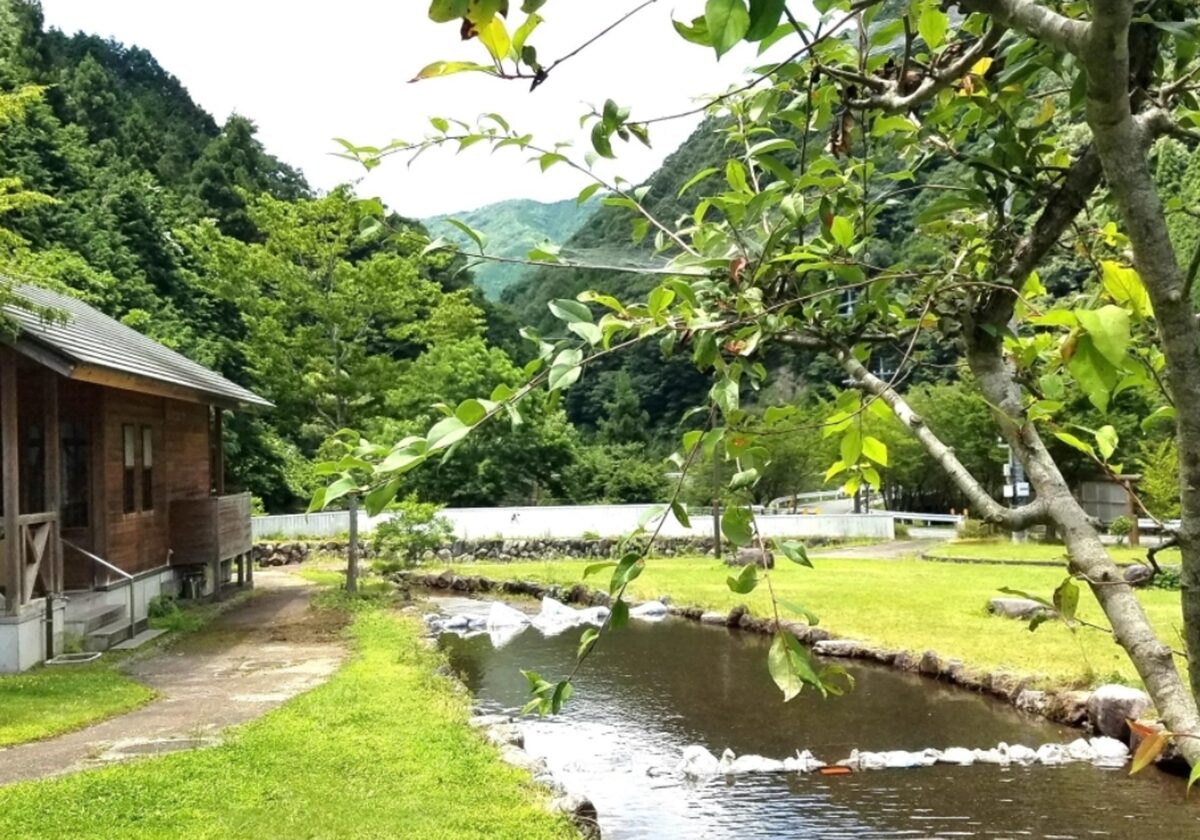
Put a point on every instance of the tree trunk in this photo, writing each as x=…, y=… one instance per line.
x=352, y=548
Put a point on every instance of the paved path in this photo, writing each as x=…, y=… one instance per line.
x=247, y=662
x=891, y=550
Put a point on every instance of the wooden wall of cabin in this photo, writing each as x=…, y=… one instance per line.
x=137, y=523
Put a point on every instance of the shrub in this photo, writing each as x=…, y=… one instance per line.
x=1120, y=528
x=974, y=529
x=413, y=528
x=902, y=531
x=1168, y=578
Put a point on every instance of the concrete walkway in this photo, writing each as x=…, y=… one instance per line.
x=247, y=662
x=891, y=550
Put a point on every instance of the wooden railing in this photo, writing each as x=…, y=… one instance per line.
x=39, y=554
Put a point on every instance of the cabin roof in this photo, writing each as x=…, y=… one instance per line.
x=91, y=346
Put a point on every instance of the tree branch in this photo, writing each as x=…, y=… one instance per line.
x=894, y=99
x=1034, y=19
x=1016, y=519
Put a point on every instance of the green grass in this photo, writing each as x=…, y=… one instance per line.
x=50, y=700
x=381, y=750
x=909, y=604
x=1009, y=552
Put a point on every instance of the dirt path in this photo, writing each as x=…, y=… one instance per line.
x=247, y=662
x=893, y=550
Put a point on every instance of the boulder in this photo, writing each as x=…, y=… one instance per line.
x=1016, y=607
x=1032, y=701
x=714, y=618
x=752, y=557
x=1069, y=707
x=930, y=665
x=1138, y=575
x=735, y=615
x=1111, y=707
x=839, y=647
x=580, y=811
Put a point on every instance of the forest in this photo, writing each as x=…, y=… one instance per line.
x=119, y=188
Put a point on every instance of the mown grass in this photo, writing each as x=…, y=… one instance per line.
x=1004, y=551
x=50, y=700
x=909, y=604
x=381, y=750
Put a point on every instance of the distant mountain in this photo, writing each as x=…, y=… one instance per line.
x=512, y=229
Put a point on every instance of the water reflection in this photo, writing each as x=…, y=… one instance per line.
x=652, y=689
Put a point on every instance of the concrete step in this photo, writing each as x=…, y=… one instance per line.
x=103, y=638
x=139, y=640
x=86, y=621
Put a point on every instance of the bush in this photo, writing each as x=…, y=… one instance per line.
x=1120, y=528
x=164, y=614
x=162, y=606
x=1168, y=578
x=413, y=528
x=974, y=529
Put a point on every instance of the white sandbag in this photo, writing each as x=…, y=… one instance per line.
x=502, y=615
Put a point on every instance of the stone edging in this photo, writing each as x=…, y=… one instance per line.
x=1080, y=709
x=502, y=732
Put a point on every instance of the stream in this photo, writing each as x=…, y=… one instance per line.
x=650, y=689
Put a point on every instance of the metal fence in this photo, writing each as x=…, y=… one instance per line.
x=576, y=521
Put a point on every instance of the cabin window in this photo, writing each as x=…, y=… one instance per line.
x=147, y=468
x=33, y=471
x=129, y=489
x=76, y=469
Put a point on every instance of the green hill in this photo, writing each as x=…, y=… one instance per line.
x=512, y=228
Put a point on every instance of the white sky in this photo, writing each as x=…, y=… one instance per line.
x=308, y=72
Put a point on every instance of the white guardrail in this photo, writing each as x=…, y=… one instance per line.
x=575, y=521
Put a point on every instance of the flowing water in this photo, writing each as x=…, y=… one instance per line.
x=651, y=689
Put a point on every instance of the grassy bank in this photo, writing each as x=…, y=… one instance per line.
x=1009, y=552
x=915, y=605
x=381, y=750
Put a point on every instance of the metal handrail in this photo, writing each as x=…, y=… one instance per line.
x=128, y=579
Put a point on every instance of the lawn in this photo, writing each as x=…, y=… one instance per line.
x=381, y=750
x=50, y=700
x=1010, y=552
x=911, y=604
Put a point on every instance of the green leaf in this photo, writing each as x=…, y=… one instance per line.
x=565, y=370
x=745, y=581
x=627, y=570
x=1106, y=441
x=494, y=36
x=562, y=693
x=932, y=26
x=524, y=31
x=570, y=311
x=446, y=433
x=744, y=478
x=479, y=239
x=795, y=551
x=779, y=664
x=600, y=141
x=339, y=488
x=1193, y=778
x=876, y=450
x=1109, y=328
x=587, y=640
x=681, y=514
x=696, y=179
x=470, y=411
x=851, y=446
x=764, y=17
x=1066, y=599
x=443, y=11
x=735, y=176
x=724, y=393
x=728, y=21
x=586, y=193
x=659, y=299
x=1074, y=442
x=318, y=500
x=619, y=616
x=800, y=609
x=598, y=567
x=381, y=497
x=1125, y=288
x=842, y=231
x=1095, y=374
x=588, y=332
x=696, y=33
x=736, y=526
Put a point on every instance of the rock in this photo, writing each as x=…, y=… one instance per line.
x=1138, y=575
x=764, y=559
x=930, y=665
x=714, y=618
x=1069, y=707
x=522, y=760
x=445, y=554
x=839, y=647
x=1032, y=701
x=735, y=615
x=1111, y=707
x=580, y=811
x=506, y=734
x=484, y=721
x=1016, y=607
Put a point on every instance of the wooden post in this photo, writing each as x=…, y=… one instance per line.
x=53, y=439
x=352, y=547
x=218, y=450
x=10, y=440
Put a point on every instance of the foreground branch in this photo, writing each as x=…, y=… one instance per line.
x=989, y=510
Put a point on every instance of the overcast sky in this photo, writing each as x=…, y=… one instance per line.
x=306, y=73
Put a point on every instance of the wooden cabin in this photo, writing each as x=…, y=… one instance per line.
x=113, y=488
